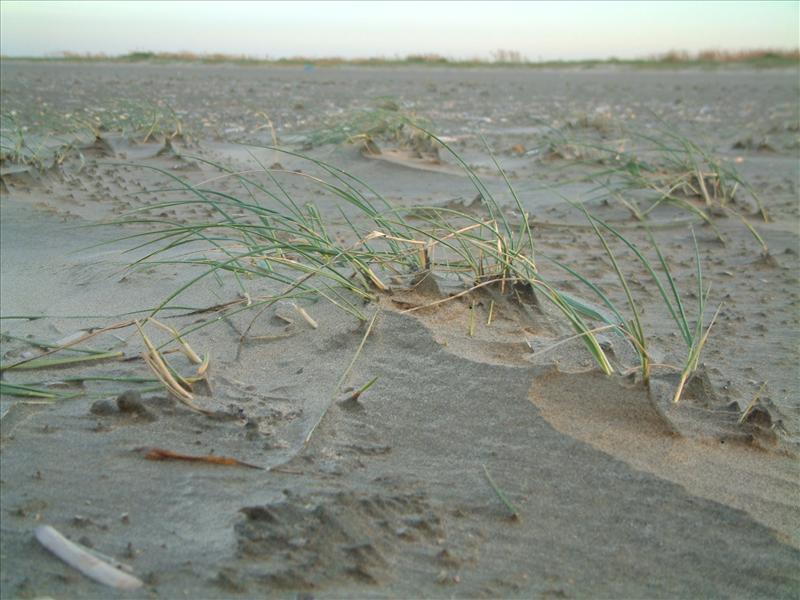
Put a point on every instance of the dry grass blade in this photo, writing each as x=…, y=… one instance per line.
x=306, y=317
x=753, y=403
x=344, y=376
x=175, y=385
x=158, y=364
x=185, y=347
x=349, y=368
x=694, y=357
x=272, y=132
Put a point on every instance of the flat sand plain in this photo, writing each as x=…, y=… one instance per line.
x=618, y=492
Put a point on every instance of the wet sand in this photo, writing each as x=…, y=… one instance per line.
x=619, y=492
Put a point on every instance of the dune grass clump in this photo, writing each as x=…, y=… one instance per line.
x=178, y=386
x=264, y=234
x=285, y=243
x=644, y=170
x=370, y=127
x=43, y=139
x=267, y=235
x=20, y=146
x=661, y=277
x=680, y=171
x=70, y=352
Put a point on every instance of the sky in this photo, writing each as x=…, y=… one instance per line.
x=537, y=30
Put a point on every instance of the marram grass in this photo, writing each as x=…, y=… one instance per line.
x=267, y=234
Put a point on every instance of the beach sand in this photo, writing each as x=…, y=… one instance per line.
x=618, y=492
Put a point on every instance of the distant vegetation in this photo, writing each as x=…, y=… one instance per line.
x=507, y=58
x=730, y=56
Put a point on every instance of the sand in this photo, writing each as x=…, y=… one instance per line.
x=619, y=493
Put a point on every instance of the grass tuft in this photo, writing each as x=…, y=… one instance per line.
x=266, y=235
x=644, y=170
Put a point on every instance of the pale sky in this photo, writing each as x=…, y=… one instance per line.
x=538, y=30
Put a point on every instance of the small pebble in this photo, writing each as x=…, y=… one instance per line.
x=102, y=407
x=131, y=402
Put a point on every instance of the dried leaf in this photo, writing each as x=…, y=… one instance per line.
x=162, y=454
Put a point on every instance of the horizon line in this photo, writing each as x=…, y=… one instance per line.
x=499, y=56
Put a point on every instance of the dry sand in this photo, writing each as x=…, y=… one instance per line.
x=619, y=493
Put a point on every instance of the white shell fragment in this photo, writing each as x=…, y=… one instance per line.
x=83, y=561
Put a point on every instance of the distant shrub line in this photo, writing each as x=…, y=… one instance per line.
x=758, y=57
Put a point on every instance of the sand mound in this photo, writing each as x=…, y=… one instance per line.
x=623, y=420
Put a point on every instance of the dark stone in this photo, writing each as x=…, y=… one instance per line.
x=103, y=408
x=130, y=403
